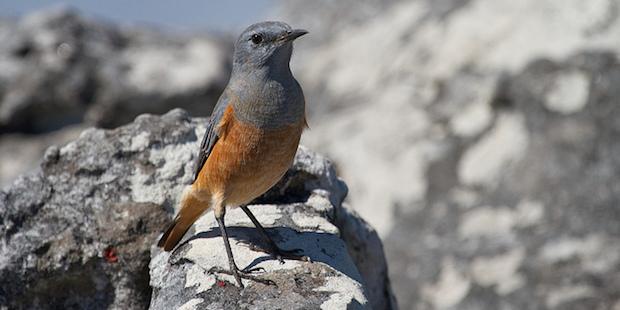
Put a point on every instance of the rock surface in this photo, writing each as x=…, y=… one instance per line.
x=79, y=232
x=60, y=68
x=478, y=137
x=485, y=142
x=307, y=202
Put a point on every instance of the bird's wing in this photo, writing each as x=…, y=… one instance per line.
x=211, y=136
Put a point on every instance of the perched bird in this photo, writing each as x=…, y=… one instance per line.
x=251, y=138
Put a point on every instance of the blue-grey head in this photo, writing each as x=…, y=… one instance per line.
x=267, y=44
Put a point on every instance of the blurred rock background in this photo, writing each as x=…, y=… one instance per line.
x=480, y=138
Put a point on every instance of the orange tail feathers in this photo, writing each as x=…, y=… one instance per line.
x=191, y=209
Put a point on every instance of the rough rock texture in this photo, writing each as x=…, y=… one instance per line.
x=480, y=138
x=111, y=190
x=60, y=68
x=307, y=202
x=21, y=153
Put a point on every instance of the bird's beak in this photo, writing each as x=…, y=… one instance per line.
x=293, y=34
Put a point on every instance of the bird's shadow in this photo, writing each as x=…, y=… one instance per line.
x=321, y=247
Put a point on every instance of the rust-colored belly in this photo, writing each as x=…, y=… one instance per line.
x=247, y=161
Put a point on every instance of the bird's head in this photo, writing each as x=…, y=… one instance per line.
x=265, y=44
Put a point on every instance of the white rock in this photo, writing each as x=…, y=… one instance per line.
x=500, y=270
x=569, y=94
x=451, y=286
x=505, y=143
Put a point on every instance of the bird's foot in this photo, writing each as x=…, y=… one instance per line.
x=243, y=274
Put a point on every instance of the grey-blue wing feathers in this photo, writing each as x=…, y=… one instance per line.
x=211, y=136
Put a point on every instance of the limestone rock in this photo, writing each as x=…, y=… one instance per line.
x=62, y=71
x=307, y=201
x=79, y=232
x=59, y=67
x=480, y=139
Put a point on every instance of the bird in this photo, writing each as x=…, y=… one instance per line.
x=250, y=140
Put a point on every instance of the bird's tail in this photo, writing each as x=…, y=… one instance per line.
x=192, y=206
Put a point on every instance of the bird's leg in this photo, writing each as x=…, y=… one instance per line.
x=231, y=261
x=234, y=271
x=272, y=248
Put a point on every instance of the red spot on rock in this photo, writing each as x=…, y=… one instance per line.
x=110, y=254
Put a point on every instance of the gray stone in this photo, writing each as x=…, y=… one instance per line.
x=480, y=139
x=307, y=201
x=62, y=71
x=21, y=153
x=116, y=189
x=59, y=67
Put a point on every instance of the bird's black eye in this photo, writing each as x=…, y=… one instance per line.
x=256, y=38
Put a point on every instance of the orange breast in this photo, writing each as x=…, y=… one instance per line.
x=247, y=161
